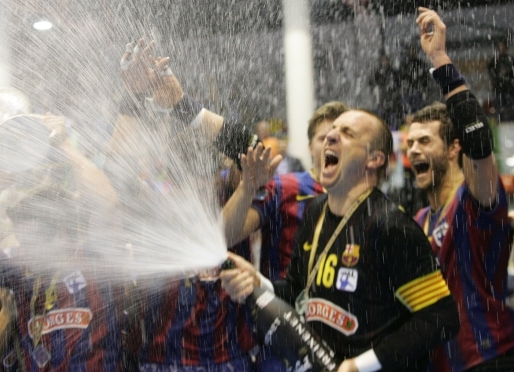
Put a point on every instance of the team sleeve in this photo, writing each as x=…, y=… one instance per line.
x=296, y=276
x=420, y=287
x=266, y=205
x=290, y=287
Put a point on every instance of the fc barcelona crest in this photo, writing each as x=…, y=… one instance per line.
x=351, y=255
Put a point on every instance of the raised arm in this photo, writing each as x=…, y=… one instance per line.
x=150, y=85
x=93, y=185
x=470, y=123
x=240, y=220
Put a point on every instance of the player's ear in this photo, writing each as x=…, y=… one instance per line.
x=376, y=159
x=454, y=149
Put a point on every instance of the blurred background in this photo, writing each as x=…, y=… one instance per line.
x=255, y=60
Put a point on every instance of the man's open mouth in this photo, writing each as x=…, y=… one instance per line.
x=421, y=167
x=330, y=158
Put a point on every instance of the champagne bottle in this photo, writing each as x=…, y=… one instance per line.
x=290, y=338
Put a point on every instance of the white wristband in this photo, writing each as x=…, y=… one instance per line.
x=368, y=362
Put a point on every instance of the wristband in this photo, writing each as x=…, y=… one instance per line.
x=187, y=109
x=448, y=78
x=471, y=125
x=234, y=140
x=132, y=104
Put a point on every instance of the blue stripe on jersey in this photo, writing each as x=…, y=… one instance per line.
x=280, y=205
x=472, y=306
x=185, y=302
x=58, y=347
x=153, y=305
x=112, y=344
x=77, y=362
x=231, y=321
x=275, y=226
x=477, y=308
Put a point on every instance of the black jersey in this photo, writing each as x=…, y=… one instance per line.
x=377, y=274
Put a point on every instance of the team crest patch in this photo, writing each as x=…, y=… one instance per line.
x=347, y=279
x=75, y=282
x=77, y=317
x=332, y=315
x=351, y=255
x=439, y=233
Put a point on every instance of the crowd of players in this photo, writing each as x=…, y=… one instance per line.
x=384, y=292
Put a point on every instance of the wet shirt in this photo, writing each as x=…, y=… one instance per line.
x=79, y=322
x=472, y=246
x=367, y=283
x=191, y=323
x=281, y=210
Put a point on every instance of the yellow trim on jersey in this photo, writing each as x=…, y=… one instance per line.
x=422, y=292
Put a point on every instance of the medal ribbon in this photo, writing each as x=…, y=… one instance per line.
x=50, y=299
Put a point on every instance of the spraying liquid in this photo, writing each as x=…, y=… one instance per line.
x=154, y=210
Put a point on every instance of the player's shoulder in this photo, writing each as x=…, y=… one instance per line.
x=294, y=177
x=386, y=210
x=316, y=205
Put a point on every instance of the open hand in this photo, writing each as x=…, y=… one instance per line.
x=142, y=73
x=257, y=167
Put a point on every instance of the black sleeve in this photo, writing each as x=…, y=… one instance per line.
x=409, y=255
x=425, y=330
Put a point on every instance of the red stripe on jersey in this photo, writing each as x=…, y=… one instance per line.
x=191, y=335
x=222, y=352
x=499, y=321
x=157, y=350
x=97, y=327
x=290, y=212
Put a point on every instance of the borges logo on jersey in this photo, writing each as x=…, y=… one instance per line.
x=351, y=255
x=347, y=279
x=332, y=315
x=77, y=317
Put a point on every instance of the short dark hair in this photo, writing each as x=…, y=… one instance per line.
x=329, y=111
x=383, y=142
x=437, y=112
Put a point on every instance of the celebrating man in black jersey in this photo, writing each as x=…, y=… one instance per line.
x=362, y=272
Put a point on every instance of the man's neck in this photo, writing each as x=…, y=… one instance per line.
x=437, y=198
x=340, y=203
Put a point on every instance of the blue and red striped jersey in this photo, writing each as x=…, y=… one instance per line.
x=281, y=211
x=472, y=246
x=80, y=329
x=191, y=322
